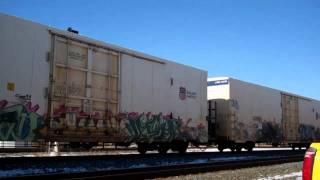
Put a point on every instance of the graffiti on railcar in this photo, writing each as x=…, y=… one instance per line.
x=158, y=127
x=258, y=129
x=234, y=103
x=128, y=126
x=268, y=131
x=308, y=132
x=74, y=117
x=19, y=122
x=240, y=132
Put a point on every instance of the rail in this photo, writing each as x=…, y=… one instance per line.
x=214, y=163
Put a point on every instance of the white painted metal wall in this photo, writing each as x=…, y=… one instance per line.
x=309, y=111
x=23, y=63
x=309, y=114
x=146, y=87
x=254, y=102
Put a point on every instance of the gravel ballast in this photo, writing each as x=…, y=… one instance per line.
x=279, y=171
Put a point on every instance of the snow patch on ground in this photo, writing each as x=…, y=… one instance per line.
x=139, y=166
x=228, y=150
x=32, y=171
x=199, y=161
x=297, y=175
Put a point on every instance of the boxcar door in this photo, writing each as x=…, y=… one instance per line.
x=290, y=118
x=84, y=88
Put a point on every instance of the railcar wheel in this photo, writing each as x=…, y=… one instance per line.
x=238, y=149
x=307, y=146
x=183, y=148
x=163, y=148
x=249, y=146
x=232, y=147
x=142, y=149
x=88, y=145
x=74, y=145
x=179, y=146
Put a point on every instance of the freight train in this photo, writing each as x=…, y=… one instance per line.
x=244, y=114
x=59, y=86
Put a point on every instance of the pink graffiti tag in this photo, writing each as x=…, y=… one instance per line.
x=169, y=116
x=120, y=117
x=3, y=104
x=30, y=108
x=148, y=115
x=96, y=117
x=80, y=114
x=200, y=126
x=133, y=115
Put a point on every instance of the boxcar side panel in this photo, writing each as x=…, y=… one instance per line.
x=309, y=120
x=257, y=112
x=164, y=91
x=24, y=78
x=24, y=65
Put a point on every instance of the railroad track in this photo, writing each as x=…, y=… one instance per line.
x=44, y=149
x=214, y=162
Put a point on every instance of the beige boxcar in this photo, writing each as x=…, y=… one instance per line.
x=245, y=113
x=61, y=86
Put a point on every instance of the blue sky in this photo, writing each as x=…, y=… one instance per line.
x=275, y=43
